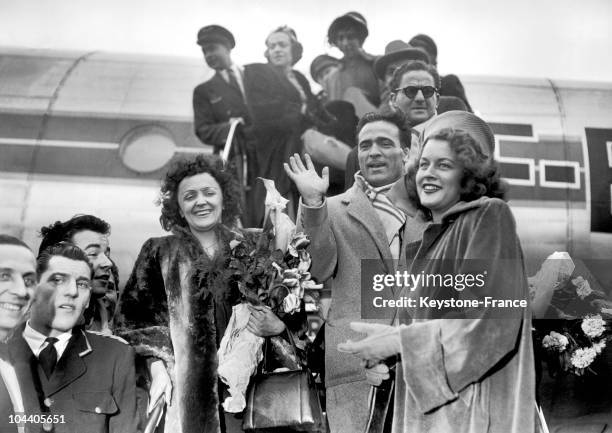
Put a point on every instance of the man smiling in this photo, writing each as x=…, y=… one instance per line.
x=345, y=229
x=17, y=282
x=86, y=380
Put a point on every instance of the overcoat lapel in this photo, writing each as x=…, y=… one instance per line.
x=360, y=209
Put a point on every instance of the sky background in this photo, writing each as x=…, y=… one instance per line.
x=559, y=39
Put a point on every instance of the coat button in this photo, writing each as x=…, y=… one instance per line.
x=48, y=402
x=97, y=410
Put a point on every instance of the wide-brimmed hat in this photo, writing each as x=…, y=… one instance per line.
x=321, y=62
x=463, y=120
x=354, y=19
x=398, y=50
x=216, y=34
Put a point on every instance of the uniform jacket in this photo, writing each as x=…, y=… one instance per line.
x=471, y=374
x=214, y=103
x=345, y=230
x=93, y=384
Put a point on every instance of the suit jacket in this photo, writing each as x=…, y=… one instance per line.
x=343, y=232
x=214, y=103
x=28, y=398
x=93, y=385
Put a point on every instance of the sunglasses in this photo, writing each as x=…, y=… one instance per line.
x=411, y=91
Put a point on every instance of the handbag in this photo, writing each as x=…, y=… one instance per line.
x=285, y=400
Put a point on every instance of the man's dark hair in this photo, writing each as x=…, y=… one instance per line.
x=61, y=249
x=414, y=65
x=63, y=231
x=395, y=117
x=12, y=240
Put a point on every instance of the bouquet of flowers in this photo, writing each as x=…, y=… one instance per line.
x=576, y=344
x=268, y=267
x=576, y=332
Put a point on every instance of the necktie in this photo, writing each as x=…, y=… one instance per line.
x=48, y=356
x=232, y=80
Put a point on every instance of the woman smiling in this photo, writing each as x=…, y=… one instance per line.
x=176, y=306
x=461, y=370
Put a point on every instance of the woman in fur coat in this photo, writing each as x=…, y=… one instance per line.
x=176, y=308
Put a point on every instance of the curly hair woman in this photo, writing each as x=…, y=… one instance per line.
x=460, y=369
x=175, y=309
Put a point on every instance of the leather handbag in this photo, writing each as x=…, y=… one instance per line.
x=286, y=400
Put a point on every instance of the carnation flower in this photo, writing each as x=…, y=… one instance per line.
x=583, y=288
x=582, y=358
x=593, y=326
x=598, y=347
x=554, y=340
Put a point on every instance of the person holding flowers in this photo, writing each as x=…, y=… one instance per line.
x=179, y=299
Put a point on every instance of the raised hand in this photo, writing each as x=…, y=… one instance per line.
x=311, y=186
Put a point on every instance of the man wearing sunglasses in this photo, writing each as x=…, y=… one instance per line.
x=414, y=90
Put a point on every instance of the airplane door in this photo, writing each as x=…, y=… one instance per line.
x=599, y=144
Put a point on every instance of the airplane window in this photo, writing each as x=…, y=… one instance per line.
x=147, y=148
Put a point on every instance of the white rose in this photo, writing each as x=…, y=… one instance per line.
x=291, y=303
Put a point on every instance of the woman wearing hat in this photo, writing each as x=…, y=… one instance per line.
x=461, y=369
x=281, y=104
x=348, y=33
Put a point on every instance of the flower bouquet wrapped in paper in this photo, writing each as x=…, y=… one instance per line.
x=576, y=332
x=268, y=269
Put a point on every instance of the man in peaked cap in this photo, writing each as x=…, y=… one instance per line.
x=348, y=32
x=219, y=100
x=222, y=100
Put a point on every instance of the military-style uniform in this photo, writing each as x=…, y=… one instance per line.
x=92, y=388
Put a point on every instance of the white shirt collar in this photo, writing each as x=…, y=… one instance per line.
x=37, y=342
